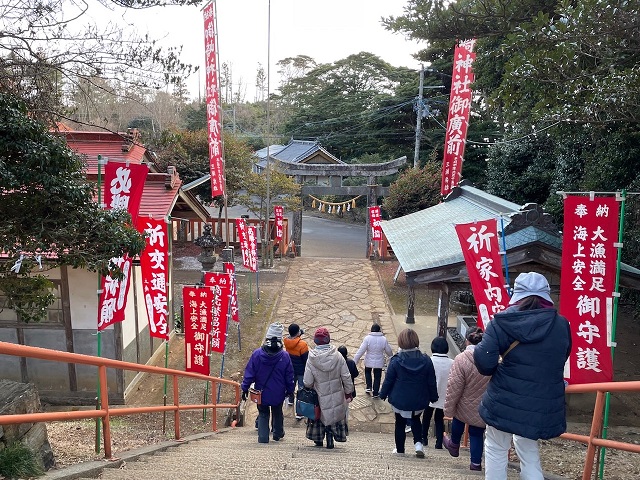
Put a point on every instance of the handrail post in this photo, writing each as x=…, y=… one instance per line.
x=176, y=413
x=104, y=400
x=596, y=425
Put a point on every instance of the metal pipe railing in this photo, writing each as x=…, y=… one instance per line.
x=106, y=412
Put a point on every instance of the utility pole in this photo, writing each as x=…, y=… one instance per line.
x=416, y=153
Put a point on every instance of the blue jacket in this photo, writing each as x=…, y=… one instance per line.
x=276, y=368
x=526, y=393
x=410, y=382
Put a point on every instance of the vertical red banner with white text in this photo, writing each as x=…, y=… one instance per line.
x=214, y=108
x=197, y=303
x=123, y=187
x=374, y=220
x=221, y=285
x=458, y=118
x=587, y=283
x=252, y=241
x=230, y=268
x=278, y=215
x=479, y=243
x=154, y=267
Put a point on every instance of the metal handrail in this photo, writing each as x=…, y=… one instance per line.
x=594, y=439
x=105, y=413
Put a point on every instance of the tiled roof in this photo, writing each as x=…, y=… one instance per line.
x=295, y=151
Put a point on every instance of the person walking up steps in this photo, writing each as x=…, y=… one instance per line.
x=298, y=350
x=374, y=348
x=464, y=391
x=270, y=369
x=328, y=374
x=410, y=384
x=442, y=365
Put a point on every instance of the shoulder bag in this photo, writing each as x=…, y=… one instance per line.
x=307, y=403
x=255, y=395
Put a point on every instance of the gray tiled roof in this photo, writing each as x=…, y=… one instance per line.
x=427, y=239
x=294, y=152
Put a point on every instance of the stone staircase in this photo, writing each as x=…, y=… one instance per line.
x=236, y=453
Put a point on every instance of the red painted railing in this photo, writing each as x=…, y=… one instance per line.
x=105, y=412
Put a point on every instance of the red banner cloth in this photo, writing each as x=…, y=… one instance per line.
x=230, y=268
x=479, y=243
x=278, y=214
x=197, y=325
x=221, y=284
x=374, y=220
x=458, y=119
x=123, y=186
x=154, y=266
x=214, y=109
x=587, y=283
x=243, y=239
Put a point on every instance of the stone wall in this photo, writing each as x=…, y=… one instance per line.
x=16, y=398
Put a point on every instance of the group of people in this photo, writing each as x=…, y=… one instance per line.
x=506, y=386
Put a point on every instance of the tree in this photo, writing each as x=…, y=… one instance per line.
x=50, y=45
x=282, y=190
x=48, y=213
x=414, y=190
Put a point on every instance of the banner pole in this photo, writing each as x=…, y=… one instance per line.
x=99, y=333
x=616, y=297
x=224, y=351
x=504, y=255
x=250, y=295
x=164, y=397
x=257, y=285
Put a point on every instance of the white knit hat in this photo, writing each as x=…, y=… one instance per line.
x=531, y=283
x=275, y=330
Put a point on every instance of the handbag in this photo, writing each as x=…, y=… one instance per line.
x=255, y=395
x=307, y=404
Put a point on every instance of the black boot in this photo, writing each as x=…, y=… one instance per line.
x=329, y=440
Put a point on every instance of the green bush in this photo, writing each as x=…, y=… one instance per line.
x=17, y=461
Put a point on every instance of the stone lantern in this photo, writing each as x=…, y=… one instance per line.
x=208, y=243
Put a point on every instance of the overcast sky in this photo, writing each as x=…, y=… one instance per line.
x=326, y=31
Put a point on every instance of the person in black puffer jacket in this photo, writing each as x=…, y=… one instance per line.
x=525, y=399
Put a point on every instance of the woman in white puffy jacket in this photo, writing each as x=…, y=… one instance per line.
x=374, y=347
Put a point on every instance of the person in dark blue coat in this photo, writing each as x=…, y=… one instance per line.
x=410, y=385
x=525, y=399
x=270, y=369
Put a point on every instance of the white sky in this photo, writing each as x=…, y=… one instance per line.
x=326, y=30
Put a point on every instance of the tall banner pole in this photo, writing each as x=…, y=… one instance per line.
x=99, y=333
x=504, y=257
x=616, y=297
x=164, y=396
x=224, y=351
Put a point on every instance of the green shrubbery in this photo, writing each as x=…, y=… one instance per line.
x=18, y=461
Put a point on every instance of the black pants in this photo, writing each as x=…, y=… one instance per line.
x=400, y=435
x=438, y=422
x=377, y=375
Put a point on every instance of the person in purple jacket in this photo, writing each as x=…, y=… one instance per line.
x=270, y=369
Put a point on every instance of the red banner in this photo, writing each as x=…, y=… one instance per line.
x=221, y=284
x=123, y=186
x=479, y=243
x=154, y=266
x=278, y=214
x=248, y=244
x=197, y=325
x=587, y=283
x=374, y=221
x=231, y=269
x=214, y=109
x=458, y=119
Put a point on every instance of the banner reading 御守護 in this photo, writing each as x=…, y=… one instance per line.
x=479, y=243
x=278, y=214
x=458, y=118
x=197, y=304
x=221, y=285
x=123, y=186
x=374, y=221
x=214, y=108
x=587, y=283
x=154, y=267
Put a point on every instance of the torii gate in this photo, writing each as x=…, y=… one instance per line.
x=336, y=172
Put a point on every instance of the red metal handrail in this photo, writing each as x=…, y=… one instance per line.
x=105, y=413
x=594, y=440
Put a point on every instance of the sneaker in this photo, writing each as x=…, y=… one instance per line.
x=453, y=448
x=395, y=452
x=299, y=417
x=419, y=450
x=476, y=467
x=407, y=429
x=367, y=391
